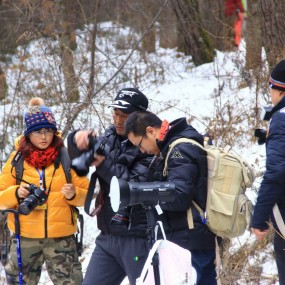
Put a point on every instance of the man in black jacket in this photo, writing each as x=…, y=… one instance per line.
x=121, y=247
x=187, y=168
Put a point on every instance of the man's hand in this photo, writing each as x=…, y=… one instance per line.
x=81, y=139
x=259, y=234
x=98, y=160
x=68, y=190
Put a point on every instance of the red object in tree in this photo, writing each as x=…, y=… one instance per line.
x=232, y=6
x=235, y=7
x=238, y=28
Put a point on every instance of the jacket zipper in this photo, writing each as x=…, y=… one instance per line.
x=46, y=229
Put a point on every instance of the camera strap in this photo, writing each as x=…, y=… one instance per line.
x=91, y=195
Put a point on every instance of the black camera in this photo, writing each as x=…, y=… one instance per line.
x=36, y=198
x=265, y=115
x=81, y=163
x=260, y=134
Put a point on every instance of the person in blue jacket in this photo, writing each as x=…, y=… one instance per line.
x=187, y=169
x=272, y=189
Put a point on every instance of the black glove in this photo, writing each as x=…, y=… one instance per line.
x=261, y=134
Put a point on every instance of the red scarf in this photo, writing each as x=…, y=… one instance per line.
x=42, y=158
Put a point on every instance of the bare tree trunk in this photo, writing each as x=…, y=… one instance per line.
x=3, y=85
x=213, y=17
x=253, y=35
x=272, y=29
x=148, y=43
x=168, y=28
x=68, y=44
x=92, y=49
x=193, y=38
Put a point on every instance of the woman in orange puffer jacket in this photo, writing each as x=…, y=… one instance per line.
x=47, y=231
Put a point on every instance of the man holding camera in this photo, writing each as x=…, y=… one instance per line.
x=187, y=169
x=121, y=247
x=271, y=195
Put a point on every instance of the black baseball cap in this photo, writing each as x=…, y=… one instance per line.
x=129, y=100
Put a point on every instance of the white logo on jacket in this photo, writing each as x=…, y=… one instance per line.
x=177, y=154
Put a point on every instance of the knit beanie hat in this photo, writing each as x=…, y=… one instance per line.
x=277, y=77
x=129, y=100
x=38, y=116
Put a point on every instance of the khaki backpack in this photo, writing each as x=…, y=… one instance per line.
x=228, y=210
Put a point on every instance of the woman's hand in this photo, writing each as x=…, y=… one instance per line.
x=68, y=190
x=23, y=191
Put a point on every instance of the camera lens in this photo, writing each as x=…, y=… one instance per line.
x=28, y=205
x=37, y=197
x=81, y=164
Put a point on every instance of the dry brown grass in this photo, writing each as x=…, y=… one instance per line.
x=245, y=264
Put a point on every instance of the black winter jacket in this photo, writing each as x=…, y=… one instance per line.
x=272, y=189
x=187, y=168
x=125, y=161
x=188, y=172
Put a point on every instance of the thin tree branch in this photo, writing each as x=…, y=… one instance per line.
x=77, y=109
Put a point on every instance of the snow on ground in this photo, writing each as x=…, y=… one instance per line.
x=189, y=90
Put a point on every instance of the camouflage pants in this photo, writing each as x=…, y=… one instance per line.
x=60, y=257
x=4, y=238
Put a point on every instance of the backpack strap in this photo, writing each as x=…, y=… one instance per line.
x=64, y=158
x=18, y=163
x=165, y=173
x=172, y=145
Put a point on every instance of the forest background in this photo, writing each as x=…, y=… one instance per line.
x=86, y=50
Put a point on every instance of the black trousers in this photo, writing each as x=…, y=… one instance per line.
x=114, y=258
x=279, y=248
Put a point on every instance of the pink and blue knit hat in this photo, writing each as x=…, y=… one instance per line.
x=38, y=117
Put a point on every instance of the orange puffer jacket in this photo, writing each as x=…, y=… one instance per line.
x=54, y=219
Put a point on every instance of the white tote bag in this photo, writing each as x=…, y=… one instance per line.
x=175, y=266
